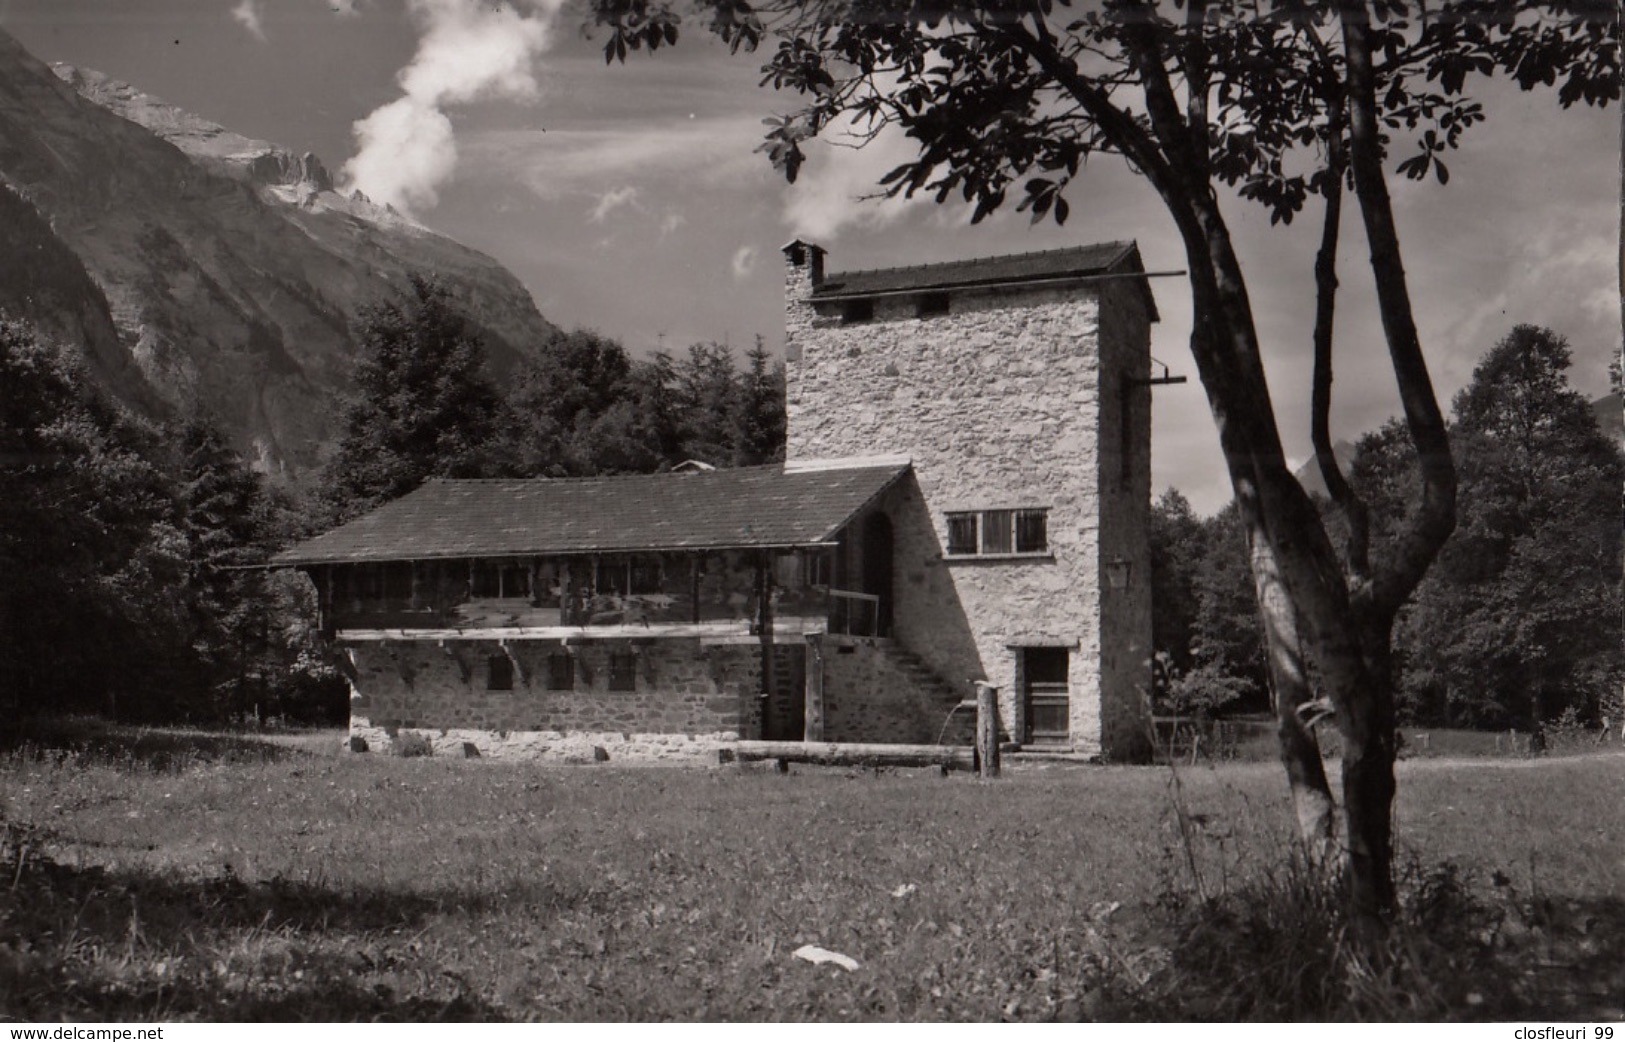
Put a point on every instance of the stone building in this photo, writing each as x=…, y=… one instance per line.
x=965, y=500
x=1018, y=389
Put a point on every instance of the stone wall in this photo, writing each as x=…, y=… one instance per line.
x=1125, y=621
x=999, y=405
x=689, y=698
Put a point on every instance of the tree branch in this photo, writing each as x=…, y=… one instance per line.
x=1435, y=518
x=1337, y=486
x=1118, y=125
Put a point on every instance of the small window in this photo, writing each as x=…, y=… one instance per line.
x=932, y=304
x=623, y=671
x=499, y=673
x=561, y=671
x=860, y=310
x=1032, y=531
x=998, y=533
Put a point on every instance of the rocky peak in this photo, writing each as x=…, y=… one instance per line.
x=260, y=163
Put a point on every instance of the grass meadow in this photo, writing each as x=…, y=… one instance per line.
x=174, y=876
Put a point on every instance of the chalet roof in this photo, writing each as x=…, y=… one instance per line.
x=711, y=510
x=1104, y=258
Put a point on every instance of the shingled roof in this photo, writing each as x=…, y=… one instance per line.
x=709, y=510
x=1105, y=258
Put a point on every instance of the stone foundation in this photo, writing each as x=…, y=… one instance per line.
x=690, y=699
x=577, y=747
x=687, y=700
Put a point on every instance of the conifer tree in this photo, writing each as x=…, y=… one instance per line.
x=422, y=408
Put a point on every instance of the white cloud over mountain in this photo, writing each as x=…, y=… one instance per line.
x=468, y=50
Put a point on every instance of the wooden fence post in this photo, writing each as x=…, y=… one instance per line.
x=987, y=730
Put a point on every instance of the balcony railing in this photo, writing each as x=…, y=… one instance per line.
x=854, y=614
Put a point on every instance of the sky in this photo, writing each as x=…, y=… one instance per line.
x=629, y=199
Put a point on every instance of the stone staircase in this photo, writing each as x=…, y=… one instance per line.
x=949, y=726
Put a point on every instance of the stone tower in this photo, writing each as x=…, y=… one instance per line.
x=1018, y=389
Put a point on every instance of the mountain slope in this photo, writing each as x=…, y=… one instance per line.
x=231, y=271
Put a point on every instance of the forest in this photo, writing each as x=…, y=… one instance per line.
x=1516, y=624
x=130, y=550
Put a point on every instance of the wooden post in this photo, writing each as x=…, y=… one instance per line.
x=764, y=622
x=813, y=710
x=987, y=730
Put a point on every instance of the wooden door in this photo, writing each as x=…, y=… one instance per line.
x=1046, y=696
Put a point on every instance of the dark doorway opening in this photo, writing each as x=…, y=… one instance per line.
x=784, y=711
x=877, y=568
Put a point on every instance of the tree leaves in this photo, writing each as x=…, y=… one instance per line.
x=986, y=109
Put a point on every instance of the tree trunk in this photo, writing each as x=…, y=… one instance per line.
x=1367, y=727
x=1292, y=696
x=1364, y=692
x=1349, y=650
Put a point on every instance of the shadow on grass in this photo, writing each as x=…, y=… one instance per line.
x=45, y=997
x=87, y=741
x=86, y=942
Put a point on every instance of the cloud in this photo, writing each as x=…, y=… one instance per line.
x=247, y=13
x=613, y=200
x=671, y=222
x=744, y=262
x=838, y=184
x=712, y=150
x=468, y=50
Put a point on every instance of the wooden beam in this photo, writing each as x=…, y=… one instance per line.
x=694, y=586
x=793, y=628
x=764, y=626
x=813, y=706
x=845, y=754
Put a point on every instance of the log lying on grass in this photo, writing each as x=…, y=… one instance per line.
x=846, y=754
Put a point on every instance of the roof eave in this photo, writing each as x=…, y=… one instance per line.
x=399, y=558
